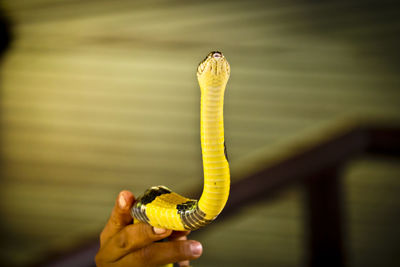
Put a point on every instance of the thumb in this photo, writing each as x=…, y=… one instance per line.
x=120, y=216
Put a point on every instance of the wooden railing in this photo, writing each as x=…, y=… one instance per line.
x=316, y=165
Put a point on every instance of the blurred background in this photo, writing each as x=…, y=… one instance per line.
x=99, y=96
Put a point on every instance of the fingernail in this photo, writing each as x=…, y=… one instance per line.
x=159, y=231
x=196, y=248
x=122, y=201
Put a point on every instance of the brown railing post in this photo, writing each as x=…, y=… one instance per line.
x=325, y=219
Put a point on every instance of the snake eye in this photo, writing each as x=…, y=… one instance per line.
x=217, y=55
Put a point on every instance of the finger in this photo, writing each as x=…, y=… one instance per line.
x=132, y=237
x=120, y=216
x=183, y=237
x=162, y=253
x=177, y=234
x=180, y=235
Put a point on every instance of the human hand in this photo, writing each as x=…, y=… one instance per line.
x=125, y=244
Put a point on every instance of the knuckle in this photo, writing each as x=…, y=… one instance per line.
x=146, y=231
x=121, y=240
x=132, y=237
x=146, y=254
x=115, y=220
x=181, y=249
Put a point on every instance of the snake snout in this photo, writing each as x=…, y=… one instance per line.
x=213, y=69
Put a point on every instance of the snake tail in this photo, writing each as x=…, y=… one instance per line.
x=161, y=207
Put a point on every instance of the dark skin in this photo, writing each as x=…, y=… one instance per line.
x=125, y=244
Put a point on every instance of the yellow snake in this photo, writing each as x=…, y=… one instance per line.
x=159, y=206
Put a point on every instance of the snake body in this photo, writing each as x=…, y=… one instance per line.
x=159, y=206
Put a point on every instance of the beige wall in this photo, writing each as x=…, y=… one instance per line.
x=99, y=96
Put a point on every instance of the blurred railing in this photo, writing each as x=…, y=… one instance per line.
x=316, y=165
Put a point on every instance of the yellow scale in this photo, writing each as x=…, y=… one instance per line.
x=159, y=206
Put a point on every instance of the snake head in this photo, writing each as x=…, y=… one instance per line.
x=214, y=70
